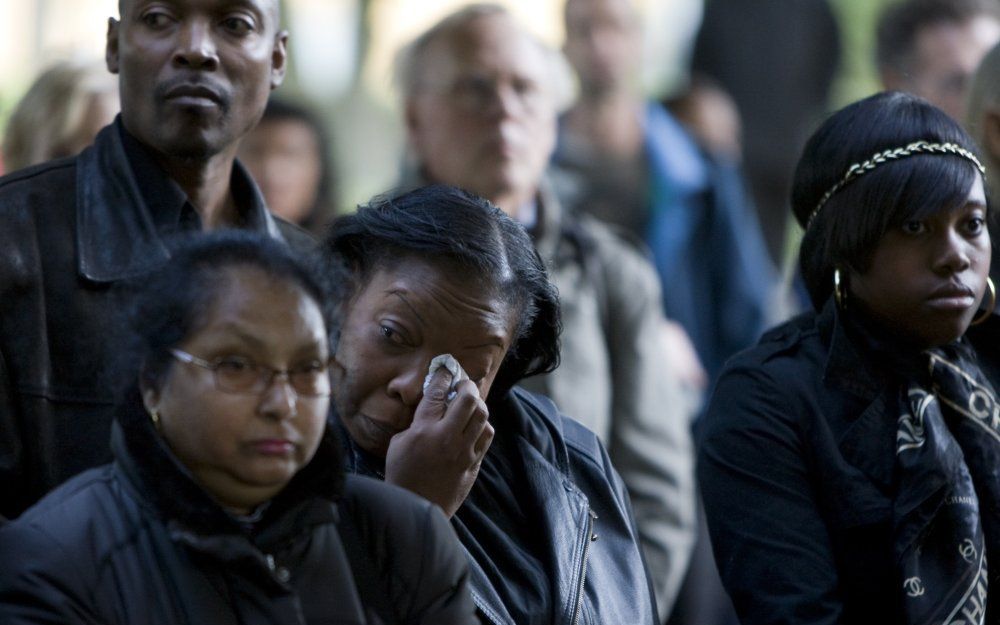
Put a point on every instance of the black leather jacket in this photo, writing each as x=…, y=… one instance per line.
x=138, y=541
x=70, y=231
x=596, y=570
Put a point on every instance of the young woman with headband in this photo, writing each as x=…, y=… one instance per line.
x=849, y=461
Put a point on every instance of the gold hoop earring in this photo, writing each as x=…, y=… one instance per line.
x=992, y=305
x=839, y=290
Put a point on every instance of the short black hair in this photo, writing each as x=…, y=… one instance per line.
x=170, y=303
x=847, y=230
x=466, y=233
x=900, y=24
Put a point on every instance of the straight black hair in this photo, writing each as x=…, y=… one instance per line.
x=467, y=235
x=847, y=230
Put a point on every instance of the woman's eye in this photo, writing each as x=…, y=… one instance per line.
x=913, y=227
x=390, y=334
x=316, y=366
x=976, y=225
x=234, y=365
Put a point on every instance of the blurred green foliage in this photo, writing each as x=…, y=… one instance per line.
x=857, y=77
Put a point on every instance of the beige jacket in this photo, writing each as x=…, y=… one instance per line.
x=614, y=378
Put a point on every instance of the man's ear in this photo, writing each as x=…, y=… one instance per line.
x=279, y=58
x=111, y=45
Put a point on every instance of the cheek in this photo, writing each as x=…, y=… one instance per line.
x=312, y=414
x=355, y=374
x=202, y=426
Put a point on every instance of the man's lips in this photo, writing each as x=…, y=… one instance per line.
x=193, y=94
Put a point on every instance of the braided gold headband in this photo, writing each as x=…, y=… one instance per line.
x=917, y=147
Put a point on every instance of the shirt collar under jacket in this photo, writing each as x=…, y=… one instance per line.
x=123, y=226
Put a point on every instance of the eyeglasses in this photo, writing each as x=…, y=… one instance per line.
x=234, y=374
x=474, y=92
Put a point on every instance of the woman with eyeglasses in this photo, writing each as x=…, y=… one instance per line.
x=226, y=502
x=850, y=461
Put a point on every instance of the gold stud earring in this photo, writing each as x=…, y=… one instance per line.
x=154, y=416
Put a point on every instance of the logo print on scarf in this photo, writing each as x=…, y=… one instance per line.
x=913, y=587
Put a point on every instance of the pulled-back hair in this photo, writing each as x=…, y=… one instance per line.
x=171, y=302
x=853, y=220
x=465, y=235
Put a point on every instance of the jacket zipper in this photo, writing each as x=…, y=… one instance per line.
x=483, y=608
x=589, y=537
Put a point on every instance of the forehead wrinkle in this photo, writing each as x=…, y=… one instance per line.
x=453, y=303
x=401, y=294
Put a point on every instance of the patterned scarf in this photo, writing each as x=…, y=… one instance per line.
x=946, y=512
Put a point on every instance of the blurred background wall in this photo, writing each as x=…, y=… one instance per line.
x=342, y=51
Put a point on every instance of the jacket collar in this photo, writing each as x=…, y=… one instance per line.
x=117, y=237
x=845, y=369
x=534, y=424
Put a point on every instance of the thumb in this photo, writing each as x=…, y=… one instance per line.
x=434, y=402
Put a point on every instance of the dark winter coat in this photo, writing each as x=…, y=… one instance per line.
x=586, y=529
x=139, y=542
x=796, y=467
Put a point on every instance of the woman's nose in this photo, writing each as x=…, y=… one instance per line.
x=954, y=254
x=279, y=398
x=408, y=385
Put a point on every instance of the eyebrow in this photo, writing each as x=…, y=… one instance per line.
x=494, y=341
x=255, y=343
x=401, y=295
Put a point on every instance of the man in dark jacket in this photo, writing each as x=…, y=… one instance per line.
x=193, y=81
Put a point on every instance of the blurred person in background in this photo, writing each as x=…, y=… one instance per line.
x=931, y=48
x=634, y=165
x=711, y=117
x=289, y=156
x=227, y=501
x=480, y=100
x=982, y=120
x=194, y=77
x=777, y=59
x=60, y=114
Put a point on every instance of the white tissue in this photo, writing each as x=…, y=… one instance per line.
x=448, y=362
